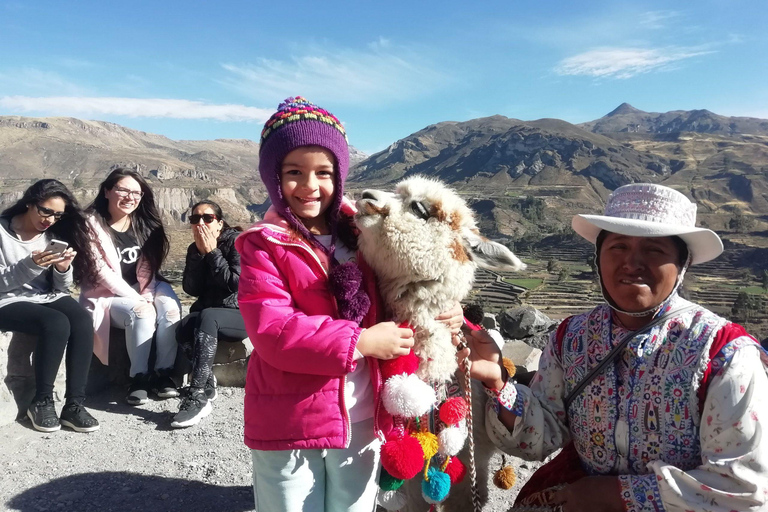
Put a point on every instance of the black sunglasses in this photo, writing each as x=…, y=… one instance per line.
x=47, y=212
x=207, y=218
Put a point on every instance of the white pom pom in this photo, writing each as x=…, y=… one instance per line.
x=391, y=500
x=451, y=440
x=407, y=396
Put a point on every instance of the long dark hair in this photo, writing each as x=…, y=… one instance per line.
x=145, y=219
x=219, y=214
x=72, y=228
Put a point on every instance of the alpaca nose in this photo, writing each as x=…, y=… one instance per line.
x=367, y=194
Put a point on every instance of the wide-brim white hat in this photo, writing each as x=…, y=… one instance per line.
x=649, y=210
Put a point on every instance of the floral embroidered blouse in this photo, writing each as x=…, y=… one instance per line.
x=675, y=447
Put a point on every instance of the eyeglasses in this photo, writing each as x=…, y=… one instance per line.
x=47, y=212
x=207, y=218
x=124, y=192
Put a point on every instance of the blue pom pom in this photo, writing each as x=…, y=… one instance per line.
x=435, y=490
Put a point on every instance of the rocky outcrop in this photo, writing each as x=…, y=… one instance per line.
x=527, y=324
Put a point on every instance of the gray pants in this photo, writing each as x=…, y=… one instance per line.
x=140, y=326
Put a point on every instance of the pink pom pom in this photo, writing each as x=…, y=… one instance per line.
x=402, y=458
x=453, y=410
x=403, y=364
x=456, y=470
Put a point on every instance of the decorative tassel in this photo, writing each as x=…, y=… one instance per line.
x=505, y=477
x=509, y=366
x=435, y=489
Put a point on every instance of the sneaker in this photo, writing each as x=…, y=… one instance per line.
x=138, y=393
x=163, y=385
x=43, y=415
x=78, y=419
x=193, y=408
x=210, y=388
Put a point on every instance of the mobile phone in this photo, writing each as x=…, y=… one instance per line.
x=56, y=246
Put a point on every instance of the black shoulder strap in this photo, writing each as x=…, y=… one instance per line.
x=615, y=351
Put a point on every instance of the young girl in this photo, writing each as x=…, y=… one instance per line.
x=34, y=297
x=128, y=292
x=211, y=273
x=312, y=414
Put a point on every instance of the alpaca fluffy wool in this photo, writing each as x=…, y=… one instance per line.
x=392, y=500
x=453, y=410
x=436, y=487
x=402, y=458
x=407, y=396
x=452, y=440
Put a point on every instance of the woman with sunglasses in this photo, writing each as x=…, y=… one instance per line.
x=129, y=293
x=34, y=297
x=211, y=273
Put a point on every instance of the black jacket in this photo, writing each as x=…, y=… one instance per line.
x=213, y=278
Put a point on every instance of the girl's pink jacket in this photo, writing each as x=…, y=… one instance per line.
x=97, y=297
x=302, y=352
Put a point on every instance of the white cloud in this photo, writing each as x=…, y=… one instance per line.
x=132, y=107
x=36, y=81
x=624, y=62
x=380, y=74
x=657, y=19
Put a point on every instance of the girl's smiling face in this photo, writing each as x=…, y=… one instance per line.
x=638, y=273
x=307, y=180
x=124, y=197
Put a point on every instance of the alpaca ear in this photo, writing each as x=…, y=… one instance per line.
x=491, y=255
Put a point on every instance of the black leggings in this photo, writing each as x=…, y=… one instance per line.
x=198, y=335
x=59, y=325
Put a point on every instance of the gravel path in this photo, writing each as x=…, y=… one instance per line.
x=136, y=462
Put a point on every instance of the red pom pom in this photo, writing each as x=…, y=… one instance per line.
x=453, y=410
x=403, y=364
x=456, y=470
x=402, y=458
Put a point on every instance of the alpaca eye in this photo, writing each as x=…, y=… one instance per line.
x=419, y=210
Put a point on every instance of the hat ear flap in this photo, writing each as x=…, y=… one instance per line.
x=490, y=255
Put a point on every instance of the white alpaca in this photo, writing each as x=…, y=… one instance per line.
x=424, y=246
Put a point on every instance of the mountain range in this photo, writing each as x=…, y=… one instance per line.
x=520, y=176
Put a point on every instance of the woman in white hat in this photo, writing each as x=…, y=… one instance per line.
x=657, y=401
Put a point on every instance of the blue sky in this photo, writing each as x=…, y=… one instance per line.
x=206, y=70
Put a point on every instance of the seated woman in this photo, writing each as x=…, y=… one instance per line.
x=128, y=291
x=670, y=419
x=34, y=297
x=211, y=273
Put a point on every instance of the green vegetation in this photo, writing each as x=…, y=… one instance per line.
x=528, y=284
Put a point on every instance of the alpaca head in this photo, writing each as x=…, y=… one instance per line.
x=424, y=232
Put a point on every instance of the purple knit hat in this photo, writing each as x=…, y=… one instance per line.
x=297, y=123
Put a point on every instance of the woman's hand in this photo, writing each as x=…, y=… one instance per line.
x=591, y=494
x=66, y=260
x=204, y=239
x=485, y=358
x=385, y=340
x=453, y=318
x=47, y=258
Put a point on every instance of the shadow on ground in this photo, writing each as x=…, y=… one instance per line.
x=129, y=492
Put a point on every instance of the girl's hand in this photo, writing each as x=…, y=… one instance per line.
x=591, y=494
x=485, y=358
x=453, y=318
x=385, y=340
x=66, y=260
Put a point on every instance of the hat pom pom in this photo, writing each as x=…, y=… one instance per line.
x=453, y=410
x=436, y=486
x=402, y=458
x=404, y=364
x=345, y=282
x=392, y=500
x=407, y=396
x=456, y=470
x=452, y=440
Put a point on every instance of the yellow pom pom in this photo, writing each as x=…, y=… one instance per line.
x=504, y=478
x=428, y=442
x=510, y=366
